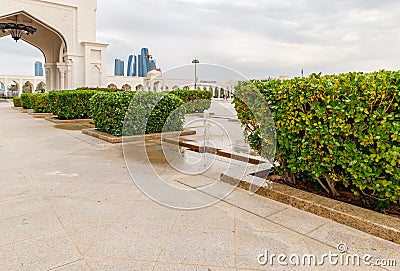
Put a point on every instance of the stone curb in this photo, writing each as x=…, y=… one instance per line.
x=119, y=139
x=380, y=225
x=20, y=109
x=54, y=119
x=41, y=115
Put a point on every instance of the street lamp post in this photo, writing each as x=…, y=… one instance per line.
x=195, y=62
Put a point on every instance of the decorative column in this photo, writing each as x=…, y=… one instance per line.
x=51, y=76
x=61, y=74
x=69, y=76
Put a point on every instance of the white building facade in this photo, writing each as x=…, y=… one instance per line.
x=66, y=35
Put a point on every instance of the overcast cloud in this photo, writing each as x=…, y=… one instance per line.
x=258, y=38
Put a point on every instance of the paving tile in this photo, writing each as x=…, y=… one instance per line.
x=257, y=204
x=356, y=241
x=94, y=211
x=40, y=253
x=251, y=244
x=244, y=220
x=85, y=234
x=203, y=247
x=197, y=181
x=118, y=194
x=131, y=241
x=149, y=212
x=76, y=189
x=11, y=191
x=28, y=226
x=206, y=218
x=22, y=206
x=109, y=264
x=75, y=266
x=299, y=221
x=181, y=267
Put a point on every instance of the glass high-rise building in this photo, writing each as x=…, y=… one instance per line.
x=132, y=66
x=38, y=68
x=152, y=64
x=143, y=63
x=129, y=68
x=119, y=67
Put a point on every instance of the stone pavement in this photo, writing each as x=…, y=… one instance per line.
x=68, y=203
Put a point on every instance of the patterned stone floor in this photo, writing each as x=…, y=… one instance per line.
x=68, y=203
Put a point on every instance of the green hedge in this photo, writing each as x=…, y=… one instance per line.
x=41, y=102
x=71, y=104
x=196, y=101
x=141, y=112
x=336, y=129
x=109, y=109
x=26, y=102
x=17, y=101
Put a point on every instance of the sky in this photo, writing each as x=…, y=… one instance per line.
x=257, y=38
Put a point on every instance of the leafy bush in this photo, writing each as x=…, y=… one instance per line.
x=26, y=100
x=196, y=101
x=335, y=129
x=71, y=104
x=17, y=101
x=142, y=112
x=41, y=102
x=109, y=109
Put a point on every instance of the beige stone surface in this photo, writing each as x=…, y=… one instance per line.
x=68, y=203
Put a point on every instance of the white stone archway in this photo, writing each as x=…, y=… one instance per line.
x=66, y=35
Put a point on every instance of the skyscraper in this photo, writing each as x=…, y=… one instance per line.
x=143, y=62
x=129, y=68
x=38, y=68
x=153, y=64
x=140, y=66
x=119, y=67
x=134, y=72
x=132, y=66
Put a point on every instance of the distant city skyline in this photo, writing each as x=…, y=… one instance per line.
x=137, y=65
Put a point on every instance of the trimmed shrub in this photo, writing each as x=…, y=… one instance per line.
x=335, y=129
x=26, y=100
x=111, y=110
x=17, y=101
x=41, y=102
x=196, y=101
x=71, y=104
x=151, y=112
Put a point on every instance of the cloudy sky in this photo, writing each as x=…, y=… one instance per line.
x=258, y=38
